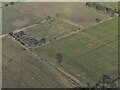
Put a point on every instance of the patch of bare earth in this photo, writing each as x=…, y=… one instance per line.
x=19, y=23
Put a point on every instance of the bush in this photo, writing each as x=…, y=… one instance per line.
x=50, y=40
x=48, y=18
x=98, y=19
x=57, y=15
x=55, y=37
x=52, y=20
x=24, y=49
x=6, y=4
x=112, y=15
x=43, y=41
x=59, y=57
x=11, y=3
x=74, y=30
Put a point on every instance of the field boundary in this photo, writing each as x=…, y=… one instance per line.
x=75, y=82
x=24, y=28
x=77, y=31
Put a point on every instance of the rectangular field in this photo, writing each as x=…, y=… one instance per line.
x=24, y=14
x=14, y=18
x=22, y=69
x=106, y=32
x=78, y=13
x=51, y=30
x=87, y=55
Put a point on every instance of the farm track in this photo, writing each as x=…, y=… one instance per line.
x=100, y=41
x=82, y=29
x=24, y=28
x=54, y=68
x=69, y=22
x=72, y=23
x=62, y=75
x=3, y=35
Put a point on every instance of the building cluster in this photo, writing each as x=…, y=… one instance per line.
x=100, y=7
x=24, y=38
x=10, y=3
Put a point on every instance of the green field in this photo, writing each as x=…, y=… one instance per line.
x=89, y=48
x=113, y=5
x=107, y=32
x=87, y=55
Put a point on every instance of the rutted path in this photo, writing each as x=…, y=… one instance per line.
x=64, y=77
x=63, y=74
x=72, y=23
x=24, y=28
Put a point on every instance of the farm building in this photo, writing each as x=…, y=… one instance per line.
x=24, y=38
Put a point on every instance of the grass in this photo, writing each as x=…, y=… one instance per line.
x=51, y=30
x=113, y=5
x=87, y=55
x=83, y=15
x=107, y=32
x=13, y=18
x=22, y=69
x=23, y=14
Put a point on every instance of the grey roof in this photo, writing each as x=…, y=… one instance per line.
x=25, y=39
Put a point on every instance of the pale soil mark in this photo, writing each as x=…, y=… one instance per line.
x=76, y=30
